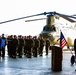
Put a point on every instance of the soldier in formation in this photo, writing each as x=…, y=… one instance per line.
x=29, y=44
x=41, y=46
x=20, y=46
x=36, y=46
x=25, y=45
x=14, y=46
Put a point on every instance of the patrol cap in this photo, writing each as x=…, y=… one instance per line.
x=14, y=35
x=35, y=36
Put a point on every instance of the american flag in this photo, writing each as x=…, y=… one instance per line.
x=63, y=41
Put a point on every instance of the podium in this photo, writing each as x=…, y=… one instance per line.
x=56, y=64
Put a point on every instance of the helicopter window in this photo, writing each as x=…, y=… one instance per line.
x=49, y=28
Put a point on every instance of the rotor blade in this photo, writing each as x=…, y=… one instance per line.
x=35, y=19
x=65, y=17
x=74, y=15
x=22, y=18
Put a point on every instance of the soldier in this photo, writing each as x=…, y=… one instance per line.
x=41, y=46
x=14, y=46
x=20, y=46
x=25, y=45
x=47, y=45
x=8, y=44
x=29, y=46
x=36, y=46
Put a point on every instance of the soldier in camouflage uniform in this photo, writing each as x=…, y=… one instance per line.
x=20, y=46
x=25, y=45
x=41, y=46
x=29, y=46
x=10, y=45
x=14, y=44
x=36, y=46
x=47, y=45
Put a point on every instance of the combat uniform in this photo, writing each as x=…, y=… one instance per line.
x=29, y=46
x=36, y=46
x=20, y=46
x=14, y=46
x=41, y=46
x=47, y=45
x=25, y=45
x=10, y=45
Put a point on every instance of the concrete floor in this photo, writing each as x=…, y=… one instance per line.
x=35, y=66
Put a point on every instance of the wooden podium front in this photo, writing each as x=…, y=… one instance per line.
x=56, y=64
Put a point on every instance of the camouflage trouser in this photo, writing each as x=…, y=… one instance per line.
x=20, y=51
x=41, y=51
x=46, y=50
x=25, y=50
x=35, y=52
x=29, y=52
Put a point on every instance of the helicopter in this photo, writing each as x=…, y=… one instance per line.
x=51, y=30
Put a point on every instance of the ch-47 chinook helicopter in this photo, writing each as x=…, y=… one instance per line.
x=52, y=30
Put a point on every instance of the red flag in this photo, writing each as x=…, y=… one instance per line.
x=63, y=41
